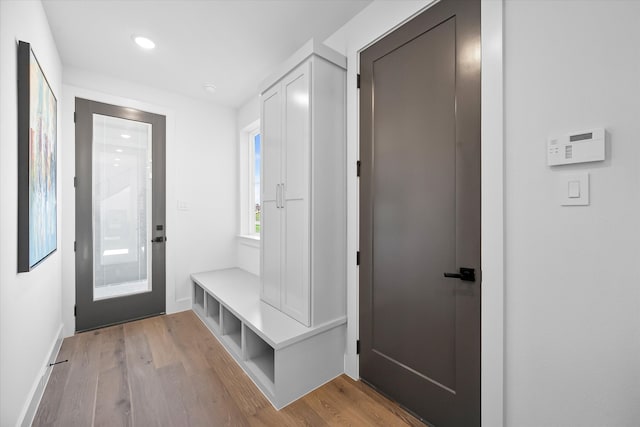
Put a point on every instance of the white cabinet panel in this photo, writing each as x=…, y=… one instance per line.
x=271, y=135
x=270, y=234
x=295, y=281
x=296, y=133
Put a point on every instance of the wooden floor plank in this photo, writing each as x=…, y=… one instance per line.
x=336, y=411
x=113, y=398
x=212, y=394
x=77, y=406
x=379, y=410
x=225, y=367
x=297, y=414
x=148, y=402
x=180, y=395
x=377, y=401
x=301, y=414
x=161, y=343
x=51, y=402
x=170, y=370
x=185, y=336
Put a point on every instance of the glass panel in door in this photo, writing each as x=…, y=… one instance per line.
x=122, y=223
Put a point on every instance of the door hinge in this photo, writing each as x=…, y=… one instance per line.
x=358, y=81
x=75, y=311
x=74, y=116
x=75, y=181
x=358, y=258
x=357, y=346
x=358, y=168
x=74, y=246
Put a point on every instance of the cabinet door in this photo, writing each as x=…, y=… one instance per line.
x=270, y=221
x=295, y=285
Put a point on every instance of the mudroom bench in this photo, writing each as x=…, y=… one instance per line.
x=284, y=358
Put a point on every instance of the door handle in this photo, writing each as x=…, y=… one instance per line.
x=159, y=239
x=466, y=275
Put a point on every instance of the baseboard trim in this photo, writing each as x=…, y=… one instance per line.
x=35, y=396
x=179, y=305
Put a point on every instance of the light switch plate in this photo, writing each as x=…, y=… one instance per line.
x=573, y=189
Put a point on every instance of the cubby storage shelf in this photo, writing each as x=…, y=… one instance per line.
x=232, y=331
x=212, y=316
x=284, y=358
x=198, y=300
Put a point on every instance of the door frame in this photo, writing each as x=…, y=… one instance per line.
x=492, y=188
x=176, y=300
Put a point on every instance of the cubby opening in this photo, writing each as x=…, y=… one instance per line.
x=212, y=315
x=232, y=330
x=260, y=357
x=198, y=297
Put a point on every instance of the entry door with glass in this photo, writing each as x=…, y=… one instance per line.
x=120, y=214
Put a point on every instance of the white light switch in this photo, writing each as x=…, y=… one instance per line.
x=573, y=189
x=183, y=205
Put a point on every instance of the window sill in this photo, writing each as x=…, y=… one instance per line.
x=249, y=240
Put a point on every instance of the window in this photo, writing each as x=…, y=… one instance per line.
x=250, y=207
x=254, y=221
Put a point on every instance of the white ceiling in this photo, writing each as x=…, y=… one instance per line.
x=233, y=44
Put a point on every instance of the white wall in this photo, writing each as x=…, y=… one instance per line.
x=248, y=249
x=201, y=141
x=572, y=290
x=376, y=20
x=30, y=319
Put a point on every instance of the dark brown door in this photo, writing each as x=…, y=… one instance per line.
x=420, y=214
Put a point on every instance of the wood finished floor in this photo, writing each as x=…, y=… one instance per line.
x=170, y=371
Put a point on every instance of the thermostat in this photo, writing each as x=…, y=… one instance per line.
x=579, y=147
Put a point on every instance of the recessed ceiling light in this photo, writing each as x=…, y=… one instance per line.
x=144, y=42
x=116, y=165
x=125, y=136
x=117, y=159
x=118, y=150
x=210, y=87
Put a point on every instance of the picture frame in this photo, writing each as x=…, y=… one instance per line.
x=37, y=162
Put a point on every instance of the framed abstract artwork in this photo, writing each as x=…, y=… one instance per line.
x=37, y=163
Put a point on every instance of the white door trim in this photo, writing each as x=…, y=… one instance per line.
x=492, y=310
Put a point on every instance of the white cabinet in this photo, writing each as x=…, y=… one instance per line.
x=303, y=196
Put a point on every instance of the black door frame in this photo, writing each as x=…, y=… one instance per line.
x=95, y=314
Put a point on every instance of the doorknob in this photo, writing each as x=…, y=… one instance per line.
x=466, y=274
